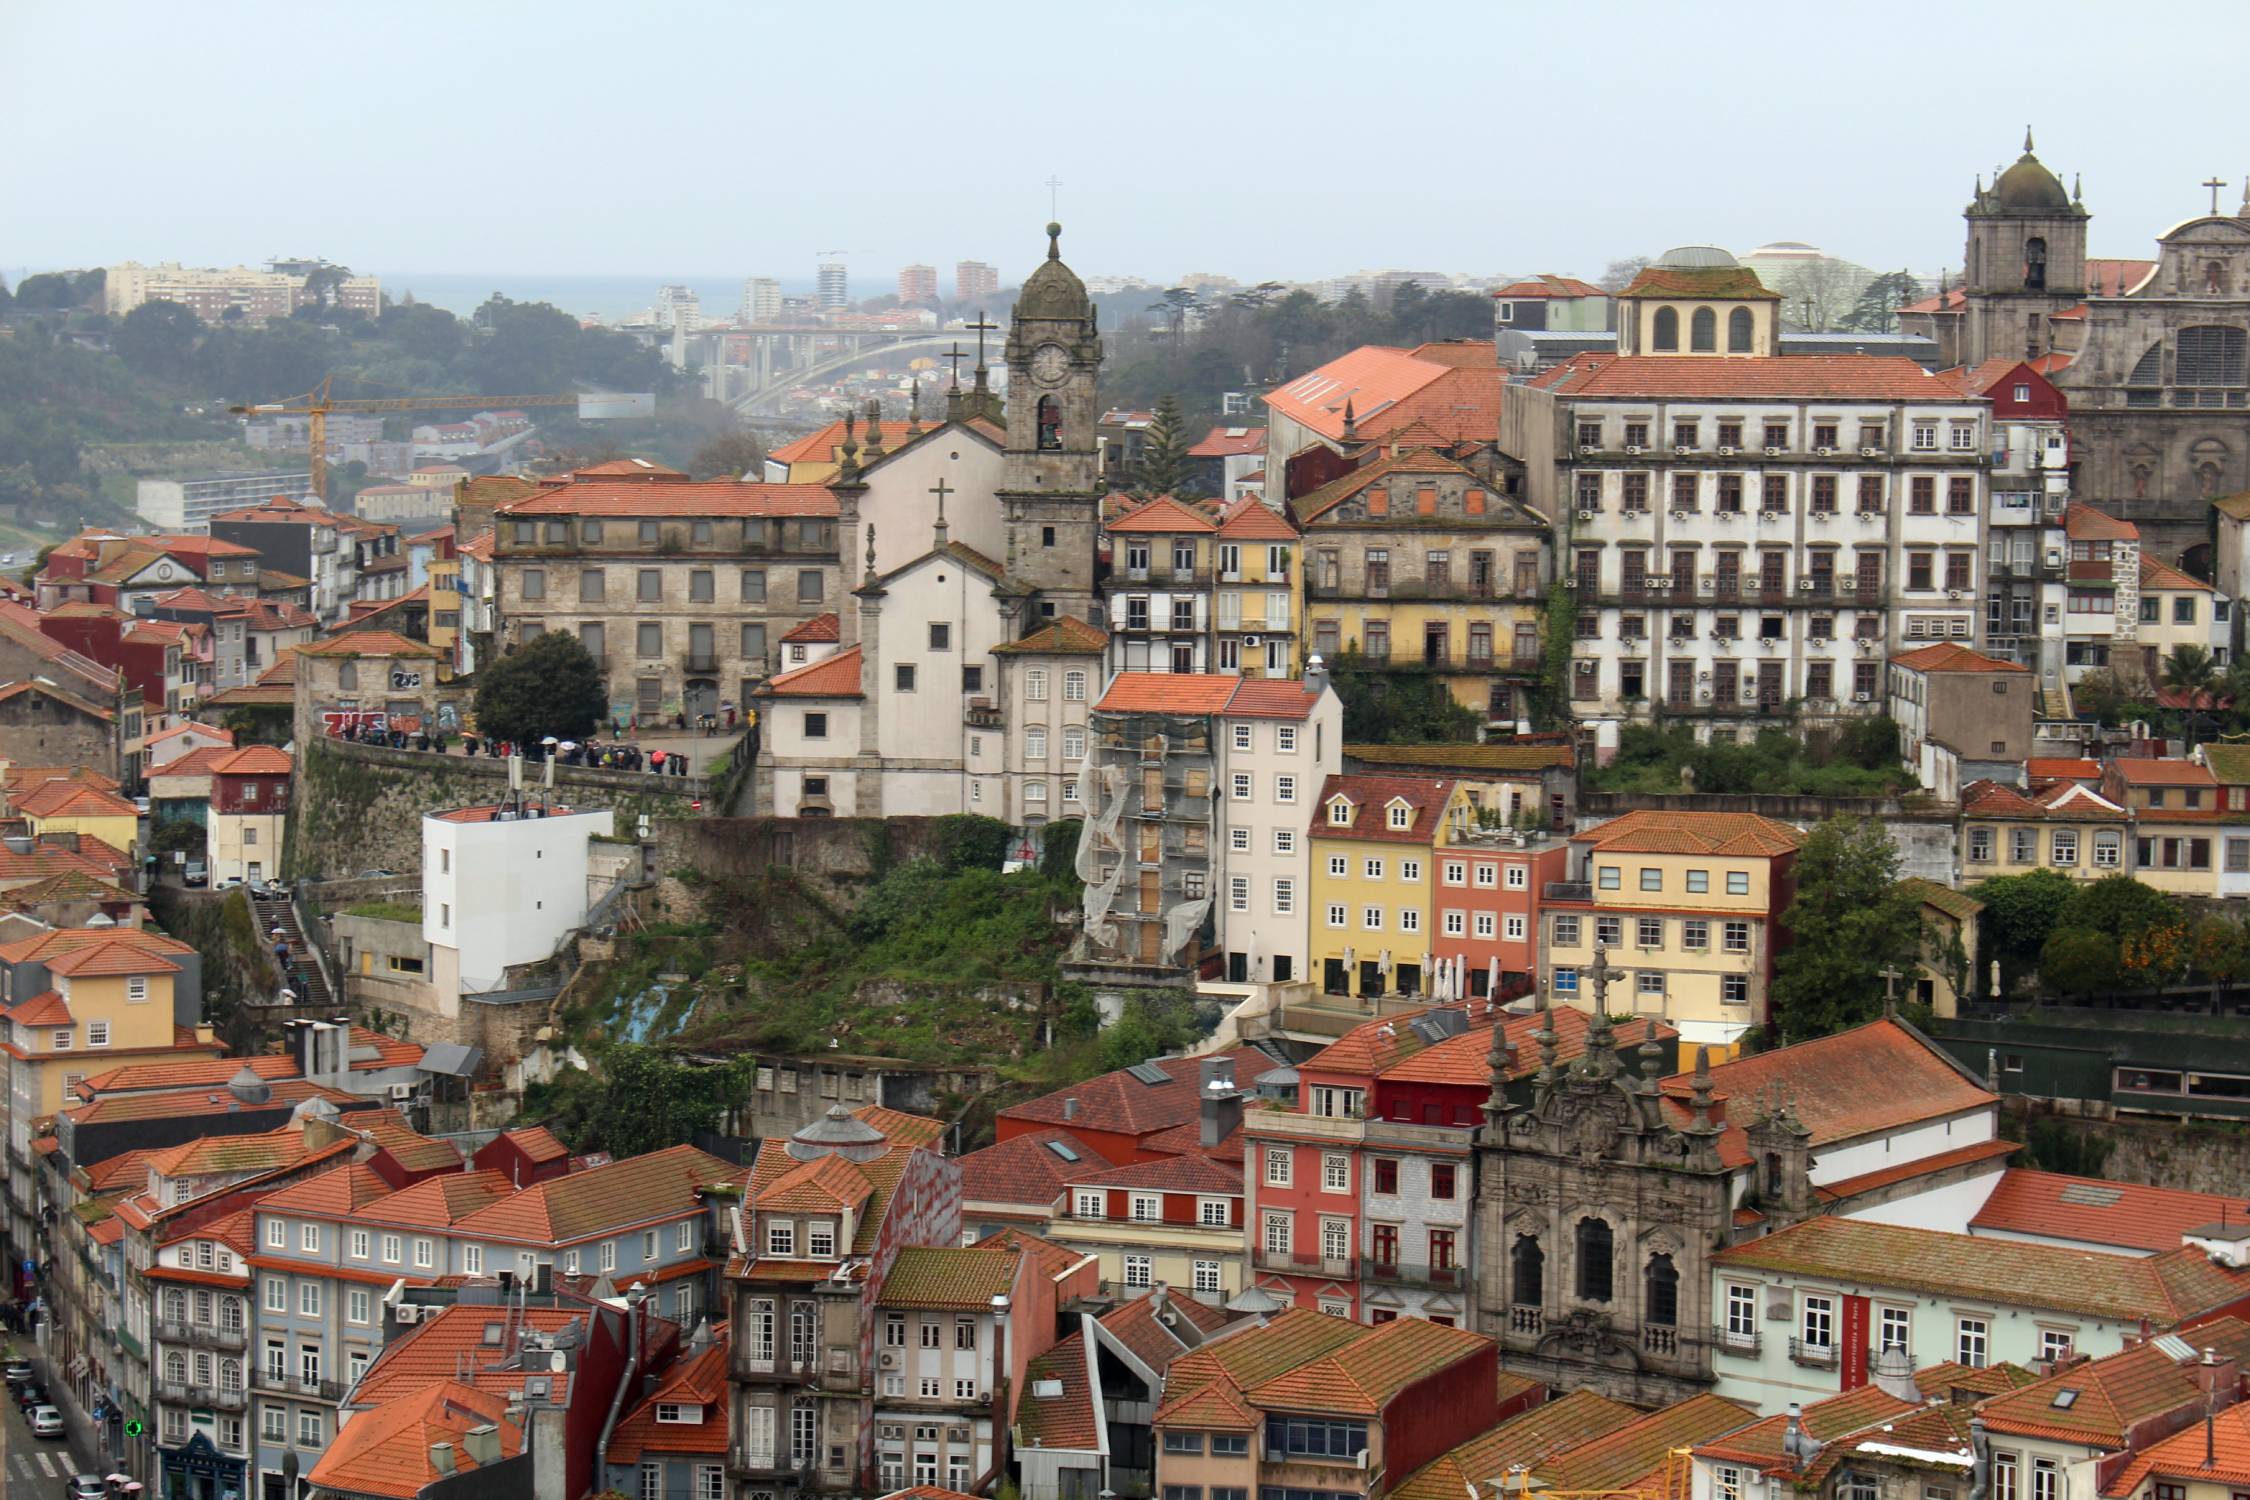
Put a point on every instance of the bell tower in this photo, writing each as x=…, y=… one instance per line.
x=1050, y=488
x=2025, y=260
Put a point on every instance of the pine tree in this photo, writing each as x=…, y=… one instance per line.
x=1164, y=466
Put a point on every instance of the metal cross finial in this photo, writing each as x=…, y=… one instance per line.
x=2214, y=184
x=1054, y=186
x=983, y=325
x=1890, y=978
x=953, y=358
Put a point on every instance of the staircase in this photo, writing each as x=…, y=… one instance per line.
x=280, y=912
x=2054, y=701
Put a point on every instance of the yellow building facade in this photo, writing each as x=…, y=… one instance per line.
x=1418, y=564
x=81, y=1001
x=1258, y=599
x=1372, y=848
x=445, y=604
x=66, y=807
x=2067, y=828
x=1687, y=906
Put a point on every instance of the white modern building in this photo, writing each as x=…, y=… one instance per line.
x=1278, y=742
x=502, y=883
x=189, y=503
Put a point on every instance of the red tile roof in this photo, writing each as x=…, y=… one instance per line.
x=1252, y=520
x=1869, y=1080
x=1948, y=657
x=1371, y=798
x=1736, y=282
x=1566, y=1422
x=902, y=1128
x=63, y=799
x=962, y=1278
x=1119, y=1103
x=834, y=676
x=654, y=498
x=1025, y=1169
x=2116, y=1393
x=1067, y=636
x=1414, y=463
x=47, y=1008
x=2047, y=768
x=1649, y=831
x=1550, y=286
x=698, y=1379
x=1829, y=377
x=581, y=1204
x=2156, y=575
x=2145, y=770
x=538, y=1143
x=1389, y=388
x=386, y=1451
x=1628, y=1456
x=1270, y=698
x=368, y=643
x=1362, y=1377
x=2213, y=1453
x=819, y=629
x=1163, y=515
x=257, y=760
x=1174, y=1174
x=109, y=960
x=628, y=468
x=2083, y=523
x=1760, y=1444
x=439, y=1202
x=1168, y=692
x=1068, y=1419
x=2092, y=1210
x=1229, y=442
x=452, y=1344
x=1160, y=1329
x=333, y=1193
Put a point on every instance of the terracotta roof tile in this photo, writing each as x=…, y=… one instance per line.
x=1565, y=1422
x=629, y=468
x=333, y=1193
x=834, y=676
x=452, y=1344
x=882, y=1174
x=902, y=1128
x=100, y=960
x=538, y=1143
x=1736, y=282
x=2215, y=1453
x=439, y=1202
x=63, y=799
x=1497, y=758
x=2083, y=523
x=1067, y=636
x=2145, y=770
x=964, y=1278
x=1168, y=692
x=1947, y=657
x=1173, y=1174
x=684, y=498
x=1069, y=1419
x=2157, y=575
x=1223, y=1369
x=47, y=1008
x=580, y=1205
x=368, y=643
x=697, y=1379
x=1252, y=520
x=1759, y=1445
x=818, y=629
x=1025, y=1169
x=2116, y=1393
x=1371, y=798
x=256, y=760
x=1120, y=1103
x=1163, y=515
x=1362, y=1376
x=1229, y=442
x=2095, y=1211
x=2053, y=768
x=1649, y=831
x=1158, y=1340
x=386, y=1452
x=1388, y=388
x=1621, y=1458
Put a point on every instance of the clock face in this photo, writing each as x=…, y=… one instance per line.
x=1049, y=364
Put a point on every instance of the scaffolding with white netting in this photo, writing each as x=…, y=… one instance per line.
x=1144, y=851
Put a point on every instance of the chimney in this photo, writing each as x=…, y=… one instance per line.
x=1220, y=1101
x=1316, y=675
x=441, y=1457
x=482, y=1444
x=1797, y=1444
x=1070, y=1107
x=2219, y=1377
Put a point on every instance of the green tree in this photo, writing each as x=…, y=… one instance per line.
x=1178, y=307
x=2191, y=671
x=49, y=289
x=733, y=454
x=2219, y=950
x=550, y=686
x=2078, y=961
x=2020, y=914
x=1383, y=707
x=1850, y=920
x=1163, y=467
x=2108, y=698
x=2119, y=907
x=159, y=339
x=1876, y=311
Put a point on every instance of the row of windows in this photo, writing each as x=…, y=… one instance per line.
x=1773, y=432
x=1729, y=494
x=756, y=531
x=1649, y=932
x=2063, y=847
x=1140, y=1272
x=648, y=585
x=1652, y=878
x=1650, y=985
x=1817, y=572
x=363, y=1244
x=710, y=1482
x=1336, y=1172
x=1148, y=1208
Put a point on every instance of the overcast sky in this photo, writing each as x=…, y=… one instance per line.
x=1253, y=139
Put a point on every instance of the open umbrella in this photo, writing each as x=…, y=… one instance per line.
x=1492, y=980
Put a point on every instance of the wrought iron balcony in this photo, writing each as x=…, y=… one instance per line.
x=1732, y=1341
x=1410, y=1273
x=1814, y=1356
x=203, y=1335
x=1339, y=1267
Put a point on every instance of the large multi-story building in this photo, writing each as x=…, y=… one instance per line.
x=2029, y=489
x=1416, y=563
x=917, y=284
x=832, y=286
x=1258, y=591
x=1688, y=903
x=761, y=300
x=1157, y=596
x=249, y=813
x=973, y=279
x=189, y=503
x=300, y=539
x=213, y=294
x=1746, y=530
x=1962, y=716
x=677, y=589
x=1374, y=842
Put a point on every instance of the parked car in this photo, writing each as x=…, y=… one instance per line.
x=19, y=1372
x=195, y=872
x=31, y=1393
x=46, y=1422
x=229, y=883
x=85, y=1487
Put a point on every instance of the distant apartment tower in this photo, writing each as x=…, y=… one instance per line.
x=917, y=284
x=973, y=279
x=761, y=300
x=679, y=308
x=212, y=293
x=188, y=504
x=831, y=286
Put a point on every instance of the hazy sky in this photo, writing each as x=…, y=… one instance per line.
x=634, y=137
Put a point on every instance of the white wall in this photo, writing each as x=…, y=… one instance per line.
x=1318, y=755
x=505, y=893
x=899, y=504
x=1874, y=1154
x=1949, y=1208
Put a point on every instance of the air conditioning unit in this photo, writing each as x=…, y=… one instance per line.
x=889, y=1359
x=1863, y=697
x=1804, y=585
x=1726, y=450
x=1825, y=452
x=1847, y=583
x=1867, y=648
x=1679, y=515
x=1587, y=450
x=401, y=1092
x=1710, y=582
x=1570, y=581
x=1705, y=695
x=1773, y=451
x=1251, y=641
x=1681, y=450
x=1952, y=593
x=1821, y=640
x=407, y=1312
x=2054, y=557
x=1749, y=692
x=1634, y=449
x=1588, y=515
x=1703, y=677
x=1868, y=451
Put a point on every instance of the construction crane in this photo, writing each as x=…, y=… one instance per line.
x=317, y=404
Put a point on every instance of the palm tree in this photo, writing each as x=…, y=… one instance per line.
x=2191, y=672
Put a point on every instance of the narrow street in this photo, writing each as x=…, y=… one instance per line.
x=40, y=1468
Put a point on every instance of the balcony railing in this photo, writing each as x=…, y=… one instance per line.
x=1422, y=590
x=223, y=1398
x=1341, y=1267
x=1570, y=890
x=695, y=661
x=1813, y=1356
x=280, y=1383
x=1410, y=1273
x=206, y=1335
x=1526, y=1320
x=1737, y=1341
x=1657, y=1339
x=979, y=714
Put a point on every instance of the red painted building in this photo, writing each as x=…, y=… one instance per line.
x=1485, y=908
x=251, y=781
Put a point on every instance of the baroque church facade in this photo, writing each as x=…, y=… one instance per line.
x=2153, y=355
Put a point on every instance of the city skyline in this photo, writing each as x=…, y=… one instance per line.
x=1730, y=156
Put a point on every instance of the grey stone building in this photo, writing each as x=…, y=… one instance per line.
x=1050, y=490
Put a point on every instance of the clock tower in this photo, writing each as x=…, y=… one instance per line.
x=1050, y=489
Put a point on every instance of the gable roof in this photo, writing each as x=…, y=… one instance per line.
x=1154, y=1096
x=683, y=498
x=1947, y=657
x=1026, y=1169
x=1068, y=1419
x=1959, y=905
x=256, y=760
x=1388, y=388
x=1168, y=692
x=1372, y=797
x=1622, y=1458
x=368, y=643
x=581, y=1204
x=2157, y=575
x=1252, y=520
x=1066, y=636
x=2096, y=1211
x=834, y=676
x=697, y=1379
x=1865, y=1081
x=2215, y=1453
x=819, y=629
x=66, y=799
x=2119, y=1391
x=1163, y=515
x=386, y=1451
x=960, y=1278
x=2083, y=523
x=1566, y=1422
x=2164, y=1288
x=1654, y=831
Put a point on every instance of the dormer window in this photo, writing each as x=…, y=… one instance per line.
x=1339, y=814
x=781, y=1239
x=820, y=1240
x=689, y=1412
x=1401, y=815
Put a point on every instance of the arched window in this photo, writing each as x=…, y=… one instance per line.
x=2035, y=264
x=1667, y=335
x=1527, y=1265
x=1738, y=331
x=175, y=1367
x=230, y=1315
x=1661, y=1292
x=175, y=1306
x=1773, y=1174
x=2214, y=277
x=1594, y=1251
x=1703, y=332
x=1050, y=425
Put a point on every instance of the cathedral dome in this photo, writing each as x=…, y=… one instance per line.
x=1054, y=290
x=2028, y=185
x=1695, y=258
